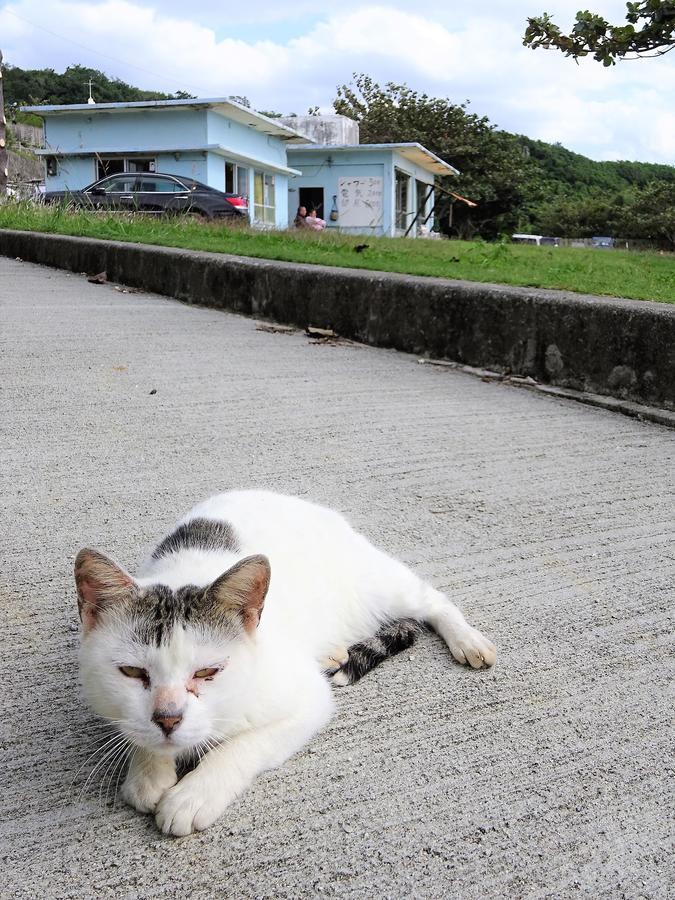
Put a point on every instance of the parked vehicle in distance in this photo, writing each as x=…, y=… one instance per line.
x=155, y=193
x=602, y=242
x=539, y=239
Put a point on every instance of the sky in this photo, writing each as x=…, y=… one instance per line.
x=289, y=57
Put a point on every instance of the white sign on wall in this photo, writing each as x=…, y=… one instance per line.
x=360, y=201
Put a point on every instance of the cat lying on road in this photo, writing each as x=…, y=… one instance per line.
x=184, y=661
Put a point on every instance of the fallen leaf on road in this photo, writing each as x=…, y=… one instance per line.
x=275, y=329
x=101, y=278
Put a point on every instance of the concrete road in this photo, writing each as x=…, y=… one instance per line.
x=550, y=523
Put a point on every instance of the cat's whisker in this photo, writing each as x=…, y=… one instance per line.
x=91, y=756
x=126, y=760
x=109, y=773
x=109, y=753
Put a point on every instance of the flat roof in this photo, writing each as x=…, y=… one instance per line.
x=223, y=105
x=413, y=151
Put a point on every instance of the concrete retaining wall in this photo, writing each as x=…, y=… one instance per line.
x=620, y=348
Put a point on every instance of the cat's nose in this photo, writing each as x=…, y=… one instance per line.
x=167, y=720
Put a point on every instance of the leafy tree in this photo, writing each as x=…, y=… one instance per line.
x=651, y=214
x=649, y=31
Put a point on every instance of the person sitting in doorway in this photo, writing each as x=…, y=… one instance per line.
x=314, y=222
x=300, y=220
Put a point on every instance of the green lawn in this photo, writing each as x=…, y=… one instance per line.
x=615, y=273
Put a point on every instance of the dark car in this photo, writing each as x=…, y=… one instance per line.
x=153, y=192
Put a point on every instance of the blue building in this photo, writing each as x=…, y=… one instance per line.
x=218, y=142
x=379, y=189
x=311, y=161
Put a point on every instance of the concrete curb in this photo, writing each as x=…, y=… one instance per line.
x=618, y=348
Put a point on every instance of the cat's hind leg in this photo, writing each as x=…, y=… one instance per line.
x=401, y=594
x=467, y=644
x=334, y=661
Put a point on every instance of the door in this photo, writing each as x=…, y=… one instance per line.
x=312, y=198
x=157, y=194
x=115, y=194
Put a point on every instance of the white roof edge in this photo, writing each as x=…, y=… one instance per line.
x=411, y=145
x=195, y=103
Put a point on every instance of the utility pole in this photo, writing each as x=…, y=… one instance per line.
x=4, y=174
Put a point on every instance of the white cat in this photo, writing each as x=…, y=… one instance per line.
x=184, y=659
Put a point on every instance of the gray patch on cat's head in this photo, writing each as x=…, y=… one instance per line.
x=159, y=609
x=230, y=605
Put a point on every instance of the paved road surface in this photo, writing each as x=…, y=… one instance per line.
x=551, y=524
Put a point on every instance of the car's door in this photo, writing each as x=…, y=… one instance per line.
x=116, y=193
x=161, y=193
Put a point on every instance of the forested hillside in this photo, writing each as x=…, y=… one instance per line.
x=32, y=87
x=566, y=194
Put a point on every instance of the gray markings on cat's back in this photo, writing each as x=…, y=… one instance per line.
x=200, y=534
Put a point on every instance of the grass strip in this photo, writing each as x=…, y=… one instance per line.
x=643, y=275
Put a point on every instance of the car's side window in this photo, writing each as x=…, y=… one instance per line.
x=160, y=185
x=122, y=185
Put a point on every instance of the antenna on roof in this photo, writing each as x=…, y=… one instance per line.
x=89, y=83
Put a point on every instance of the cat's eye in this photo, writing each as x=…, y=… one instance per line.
x=134, y=672
x=205, y=673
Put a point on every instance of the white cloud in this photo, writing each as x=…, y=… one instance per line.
x=287, y=62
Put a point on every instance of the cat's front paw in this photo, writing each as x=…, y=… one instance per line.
x=144, y=787
x=470, y=647
x=189, y=806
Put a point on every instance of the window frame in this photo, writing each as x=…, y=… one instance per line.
x=402, y=179
x=264, y=213
x=100, y=163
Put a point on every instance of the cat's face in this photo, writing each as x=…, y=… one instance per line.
x=169, y=668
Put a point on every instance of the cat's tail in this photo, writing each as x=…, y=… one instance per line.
x=363, y=657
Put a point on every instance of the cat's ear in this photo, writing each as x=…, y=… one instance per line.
x=100, y=584
x=242, y=590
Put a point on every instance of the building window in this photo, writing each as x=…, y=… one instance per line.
x=242, y=181
x=263, y=197
x=402, y=199
x=236, y=179
x=115, y=164
x=52, y=166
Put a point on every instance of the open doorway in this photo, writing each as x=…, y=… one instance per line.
x=312, y=198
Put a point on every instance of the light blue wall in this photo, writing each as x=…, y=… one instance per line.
x=245, y=140
x=189, y=165
x=74, y=172
x=215, y=171
x=282, y=211
x=128, y=131
x=324, y=169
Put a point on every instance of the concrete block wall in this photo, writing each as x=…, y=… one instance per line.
x=620, y=348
